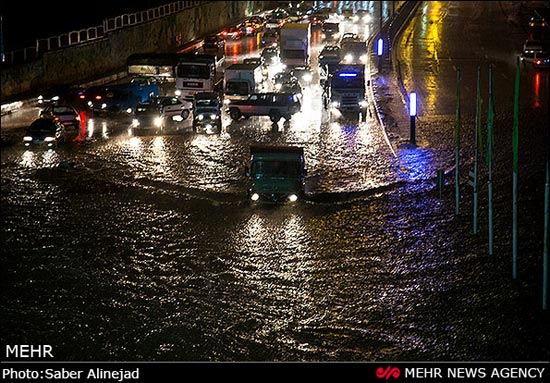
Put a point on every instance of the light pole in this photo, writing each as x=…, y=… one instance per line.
x=380, y=52
x=412, y=113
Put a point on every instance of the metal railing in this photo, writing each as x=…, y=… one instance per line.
x=81, y=36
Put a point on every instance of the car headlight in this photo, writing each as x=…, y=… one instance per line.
x=90, y=103
x=177, y=93
x=307, y=77
x=129, y=110
x=293, y=198
x=348, y=58
x=335, y=104
x=213, y=116
x=255, y=197
x=200, y=117
x=49, y=139
x=158, y=122
x=363, y=104
x=27, y=138
x=55, y=98
x=103, y=106
x=135, y=122
x=363, y=59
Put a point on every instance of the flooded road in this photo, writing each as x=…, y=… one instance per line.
x=145, y=247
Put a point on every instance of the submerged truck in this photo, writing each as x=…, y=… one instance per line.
x=294, y=44
x=276, y=174
x=241, y=80
x=345, y=89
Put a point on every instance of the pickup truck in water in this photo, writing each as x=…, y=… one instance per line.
x=276, y=174
x=274, y=105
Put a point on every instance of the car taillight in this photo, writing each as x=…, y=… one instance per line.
x=98, y=97
x=82, y=97
x=57, y=119
x=538, y=62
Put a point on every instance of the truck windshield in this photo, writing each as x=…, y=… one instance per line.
x=293, y=54
x=237, y=87
x=193, y=71
x=347, y=82
x=273, y=168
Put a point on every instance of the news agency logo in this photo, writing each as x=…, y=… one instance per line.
x=388, y=372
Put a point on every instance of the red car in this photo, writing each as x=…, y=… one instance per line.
x=234, y=33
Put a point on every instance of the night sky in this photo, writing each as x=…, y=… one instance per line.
x=24, y=22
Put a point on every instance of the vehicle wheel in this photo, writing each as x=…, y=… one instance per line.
x=274, y=117
x=235, y=114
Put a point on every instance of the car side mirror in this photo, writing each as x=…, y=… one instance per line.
x=246, y=171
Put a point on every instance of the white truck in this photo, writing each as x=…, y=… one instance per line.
x=295, y=44
x=196, y=73
x=241, y=80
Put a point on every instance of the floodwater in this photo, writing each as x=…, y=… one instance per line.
x=145, y=247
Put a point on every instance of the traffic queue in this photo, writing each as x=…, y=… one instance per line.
x=196, y=86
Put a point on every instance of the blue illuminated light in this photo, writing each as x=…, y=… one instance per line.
x=347, y=74
x=380, y=47
x=412, y=104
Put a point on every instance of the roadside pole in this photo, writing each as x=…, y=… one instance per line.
x=546, y=217
x=490, y=117
x=515, y=139
x=477, y=143
x=457, y=149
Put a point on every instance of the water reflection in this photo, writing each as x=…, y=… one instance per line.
x=39, y=159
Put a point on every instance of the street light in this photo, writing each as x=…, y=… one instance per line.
x=380, y=52
x=380, y=47
x=412, y=113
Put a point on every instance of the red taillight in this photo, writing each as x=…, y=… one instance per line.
x=82, y=97
x=57, y=119
x=98, y=97
x=538, y=62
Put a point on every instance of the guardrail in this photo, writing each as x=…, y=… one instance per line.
x=93, y=33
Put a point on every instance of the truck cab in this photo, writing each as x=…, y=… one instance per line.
x=345, y=90
x=276, y=174
x=207, y=113
x=241, y=80
x=196, y=73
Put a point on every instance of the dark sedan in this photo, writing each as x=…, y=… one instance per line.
x=44, y=131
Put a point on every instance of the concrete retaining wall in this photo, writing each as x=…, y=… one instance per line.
x=85, y=62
